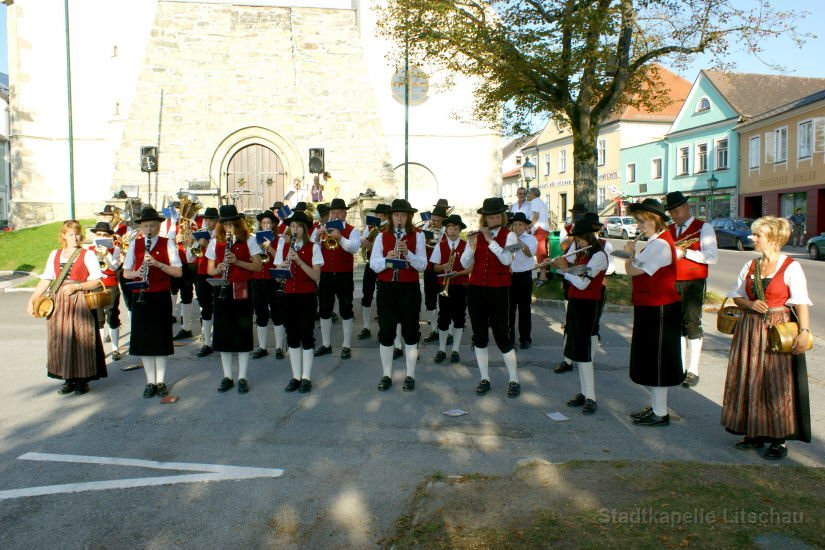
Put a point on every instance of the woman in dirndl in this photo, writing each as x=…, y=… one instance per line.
x=75, y=351
x=156, y=260
x=655, y=350
x=584, y=300
x=766, y=392
x=233, y=255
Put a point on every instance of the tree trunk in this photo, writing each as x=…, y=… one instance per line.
x=585, y=170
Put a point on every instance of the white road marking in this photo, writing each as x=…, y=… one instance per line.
x=208, y=472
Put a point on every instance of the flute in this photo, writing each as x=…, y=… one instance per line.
x=622, y=253
x=548, y=261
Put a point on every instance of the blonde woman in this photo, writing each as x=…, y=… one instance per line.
x=766, y=392
x=75, y=351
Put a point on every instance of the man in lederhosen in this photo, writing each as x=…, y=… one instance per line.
x=695, y=249
x=382, y=212
x=452, y=300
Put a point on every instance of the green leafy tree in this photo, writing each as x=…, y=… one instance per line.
x=574, y=60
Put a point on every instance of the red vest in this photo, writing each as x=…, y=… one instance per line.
x=777, y=292
x=109, y=276
x=408, y=275
x=300, y=283
x=241, y=251
x=594, y=289
x=121, y=229
x=282, y=228
x=487, y=269
x=444, y=248
x=687, y=270
x=338, y=260
x=158, y=280
x=79, y=272
x=660, y=288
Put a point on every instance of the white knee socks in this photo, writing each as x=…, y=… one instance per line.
x=457, y=334
x=366, y=312
x=114, y=334
x=243, y=364
x=306, y=369
x=207, y=333
x=160, y=369
x=411, y=355
x=280, y=336
x=659, y=400
x=295, y=361
x=683, y=348
x=262, y=332
x=347, y=325
x=149, y=368
x=483, y=359
x=511, y=362
x=326, y=332
x=186, y=313
x=586, y=379
x=386, y=359
x=442, y=340
x=695, y=352
x=226, y=363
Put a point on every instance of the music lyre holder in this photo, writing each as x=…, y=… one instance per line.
x=397, y=264
x=280, y=274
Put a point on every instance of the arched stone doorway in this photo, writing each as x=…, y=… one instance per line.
x=255, y=178
x=422, y=188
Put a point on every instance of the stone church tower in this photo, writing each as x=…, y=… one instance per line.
x=234, y=94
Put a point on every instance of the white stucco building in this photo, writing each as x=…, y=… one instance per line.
x=234, y=94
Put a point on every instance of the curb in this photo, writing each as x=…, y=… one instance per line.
x=612, y=308
x=18, y=273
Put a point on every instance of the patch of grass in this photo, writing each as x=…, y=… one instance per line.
x=589, y=504
x=28, y=283
x=28, y=249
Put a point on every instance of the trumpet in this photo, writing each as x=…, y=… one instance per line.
x=329, y=243
x=370, y=238
x=101, y=258
x=264, y=251
x=450, y=261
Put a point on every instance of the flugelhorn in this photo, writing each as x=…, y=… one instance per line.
x=685, y=241
x=450, y=262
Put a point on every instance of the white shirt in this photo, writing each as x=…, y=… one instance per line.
x=506, y=258
x=524, y=208
x=597, y=263
x=608, y=249
x=537, y=206
x=89, y=260
x=794, y=277
x=418, y=261
x=708, y=252
x=435, y=257
x=171, y=252
x=168, y=229
x=251, y=243
x=298, y=195
x=521, y=261
x=352, y=244
x=317, y=253
x=654, y=256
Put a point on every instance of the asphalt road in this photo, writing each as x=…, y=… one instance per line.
x=351, y=456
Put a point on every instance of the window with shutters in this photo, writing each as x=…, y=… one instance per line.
x=546, y=164
x=804, y=140
x=701, y=158
x=563, y=161
x=819, y=135
x=781, y=145
x=601, y=152
x=722, y=154
x=753, y=152
x=770, y=147
x=656, y=169
x=684, y=161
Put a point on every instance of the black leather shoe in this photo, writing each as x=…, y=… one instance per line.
x=749, y=443
x=182, y=335
x=455, y=357
x=243, y=386
x=258, y=353
x=346, y=353
x=364, y=334
x=66, y=388
x=409, y=384
x=279, y=353
x=226, y=385
x=431, y=337
x=525, y=345
x=777, y=451
x=385, y=383
x=323, y=350
x=80, y=388
x=306, y=386
x=439, y=356
x=150, y=390
x=161, y=390
x=647, y=411
x=690, y=380
x=563, y=367
x=652, y=420
x=293, y=385
x=397, y=352
x=204, y=351
x=577, y=401
x=513, y=389
x=116, y=355
x=589, y=406
x=483, y=387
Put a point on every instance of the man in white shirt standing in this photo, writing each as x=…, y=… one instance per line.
x=540, y=228
x=522, y=204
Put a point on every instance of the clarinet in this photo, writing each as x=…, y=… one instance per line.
x=399, y=234
x=224, y=291
x=144, y=275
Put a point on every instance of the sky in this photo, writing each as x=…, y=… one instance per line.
x=805, y=62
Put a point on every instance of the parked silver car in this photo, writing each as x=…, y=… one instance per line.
x=620, y=226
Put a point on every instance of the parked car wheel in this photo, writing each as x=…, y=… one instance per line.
x=740, y=245
x=813, y=252
x=624, y=235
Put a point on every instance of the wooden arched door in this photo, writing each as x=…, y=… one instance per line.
x=255, y=178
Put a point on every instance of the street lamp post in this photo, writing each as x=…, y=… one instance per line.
x=528, y=171
x=712, y=181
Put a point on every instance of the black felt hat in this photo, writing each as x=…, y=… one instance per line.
x=519, y=217
x=441, y=208
x=382, y=209
x=492, y=205
x=149, y=214
x=338, y=204
x=102, y=227
x=322, y=209
x=582, y=227
x=107, y=211
x=210, y=214
x=276, y=206
x=578, y=208
x=300, y=217
x=649, y=205
x=267, y=214
x=400, y=205
x=454, y=219
x=674, y=199
x=228, y=213
x=593, y=218
x=300, y=207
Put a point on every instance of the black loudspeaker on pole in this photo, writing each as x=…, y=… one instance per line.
x=316, y=161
